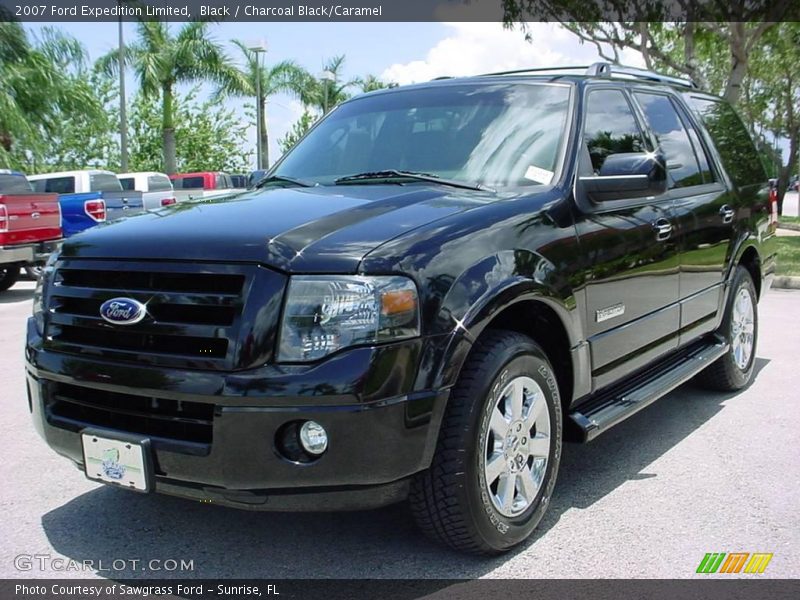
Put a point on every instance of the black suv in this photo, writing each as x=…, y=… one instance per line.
x=420, y=301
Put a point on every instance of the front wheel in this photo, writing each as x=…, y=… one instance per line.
x=498, y=451
x=734, y=370
x=8, y=276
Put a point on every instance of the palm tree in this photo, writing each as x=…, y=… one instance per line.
x=42, y=82
x=162, y=60
x=325, y=93
x=371, y=83
x=263, y=81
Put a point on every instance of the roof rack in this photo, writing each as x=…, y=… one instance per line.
x=538, y=70
x=604, y=69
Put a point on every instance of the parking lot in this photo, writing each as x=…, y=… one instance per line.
x=696, y=472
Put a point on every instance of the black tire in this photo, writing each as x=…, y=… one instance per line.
x=725, y=374
x=450, y=500
x=9, y=274
x=33, y=271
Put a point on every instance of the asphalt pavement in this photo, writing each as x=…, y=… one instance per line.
x=696, y=472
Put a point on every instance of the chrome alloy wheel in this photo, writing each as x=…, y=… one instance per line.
x=517, y=446
x=742, y=329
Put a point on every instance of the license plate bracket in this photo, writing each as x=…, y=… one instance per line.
x=116, y=458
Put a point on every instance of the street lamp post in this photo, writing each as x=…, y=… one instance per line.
x=258, y=50
x=328, y=77
x=123, y=116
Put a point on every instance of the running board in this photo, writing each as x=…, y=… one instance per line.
x=613, y=406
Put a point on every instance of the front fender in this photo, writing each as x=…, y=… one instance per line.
x=487, y=288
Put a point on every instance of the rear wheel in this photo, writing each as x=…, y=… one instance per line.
x=8, y=276
x=734, y=370
x=498, y=452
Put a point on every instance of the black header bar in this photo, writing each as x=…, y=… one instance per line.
x=399, y=10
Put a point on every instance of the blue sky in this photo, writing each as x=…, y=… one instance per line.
x=400, y=52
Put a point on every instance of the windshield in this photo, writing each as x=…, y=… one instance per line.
x=496, y=135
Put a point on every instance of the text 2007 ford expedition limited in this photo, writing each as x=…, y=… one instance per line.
x=421, y=300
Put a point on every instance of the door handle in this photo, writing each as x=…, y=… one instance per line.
x=663, y=229
x=727, y=214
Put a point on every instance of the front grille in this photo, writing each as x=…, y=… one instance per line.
x=76, y=407
x=193, y=312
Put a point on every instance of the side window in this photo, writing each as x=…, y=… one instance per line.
x=127, y=183
x=682, y=165
x=733, y=142
x=610, y=127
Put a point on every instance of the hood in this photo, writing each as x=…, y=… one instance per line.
x=303, y=230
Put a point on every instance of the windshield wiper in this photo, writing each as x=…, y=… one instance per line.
x=284, y=179
x=398, y=174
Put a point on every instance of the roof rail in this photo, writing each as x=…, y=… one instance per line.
x=537, y=70
x=604, y=69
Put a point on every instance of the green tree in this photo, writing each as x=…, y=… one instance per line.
x=162, y=59
x=721, y=35
x=255, y=78
x=298, y=130
x=209, y=136
x=771, y=94
x=371, y=83
x=43, y=85
x=324, y=93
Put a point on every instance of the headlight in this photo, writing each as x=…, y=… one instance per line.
x=39, y=292
x=324, y=314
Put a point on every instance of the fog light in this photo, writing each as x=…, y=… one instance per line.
x=313, y=437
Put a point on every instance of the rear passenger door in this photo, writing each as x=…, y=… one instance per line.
x=704, y=211
x=630, y=251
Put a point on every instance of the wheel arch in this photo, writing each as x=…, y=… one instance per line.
x=531, y=308
x=750, y=259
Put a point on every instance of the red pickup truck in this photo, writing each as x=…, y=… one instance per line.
x=203, y=185
x=30, y=226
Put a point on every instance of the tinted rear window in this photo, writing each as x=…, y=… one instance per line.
x=14, y=184
x=104, y=182
x=188, y=183
x=56, y=185
x=159, y=183
x=128, y=183
x=224, y=181
x=733, y=142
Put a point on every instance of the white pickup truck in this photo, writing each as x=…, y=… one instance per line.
x=156, y=188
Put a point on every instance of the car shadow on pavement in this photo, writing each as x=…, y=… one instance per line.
x=107, y=524
x=15, y=295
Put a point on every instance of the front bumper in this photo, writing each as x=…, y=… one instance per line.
x=378, y=436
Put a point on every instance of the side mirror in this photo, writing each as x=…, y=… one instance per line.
x=627, y=176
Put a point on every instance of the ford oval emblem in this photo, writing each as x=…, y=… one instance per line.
x=123, y=311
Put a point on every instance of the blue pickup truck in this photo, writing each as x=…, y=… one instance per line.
x=88, y=197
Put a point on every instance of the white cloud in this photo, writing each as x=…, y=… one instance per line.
x=474, y=48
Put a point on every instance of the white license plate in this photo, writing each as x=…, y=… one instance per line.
x=120, y=462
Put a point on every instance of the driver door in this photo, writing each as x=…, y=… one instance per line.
x=630, y=248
